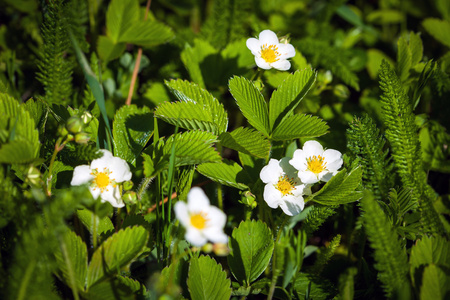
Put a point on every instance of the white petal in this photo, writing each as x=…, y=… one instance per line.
x=298, y=160
x=95, y=192
x=272, y=196
x=120, y=169
x=216, y=217
x=254, y=45
x=81, y=175
x=195, y=237
x=287, y=168
x=268, y=37
x=182, y=214
x=312, y=148
x=272, y=172
x=197, y=200
x=112, y=195
x=308, y=177
x=333, y=159
x=286, y=51
x=261, y=63
x=293, y=206
x=326, y=176
x=215, y=235
x=282, y=65
x=102, y=162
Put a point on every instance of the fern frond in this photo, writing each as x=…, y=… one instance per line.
x=325, y=255
x=391, y=259
x=55, y=68
x=227, y=22
x=317, y=216
x=365, y=142
x=401, y=131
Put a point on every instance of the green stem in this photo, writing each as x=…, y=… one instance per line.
x=73, y=281
x=58, y=147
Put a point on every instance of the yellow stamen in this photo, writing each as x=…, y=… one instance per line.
x=285, y=185
x=316, y=164
x=199, y=220
x=102, y=179
x=270, y=53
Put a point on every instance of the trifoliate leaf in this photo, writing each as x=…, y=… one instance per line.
x=247, y=141
x=300, y=126
x=227, y=172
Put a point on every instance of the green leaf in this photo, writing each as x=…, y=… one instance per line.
x=289, y=94
x=340, y=189
x=192, y=93
x=193, y=56
x=120, y=16
x=416, y=46
x=89, y=219
x=146, y=33
x=116, y=252
x=18, y=151
x=251, y=246
x=439, y=29
x=73, y=264
x=435, y=283
x=300, y=126
x=315, y=287
x=251, y=103
x=374, y=59
x=247, y=141
x=193, y=147
x=404, y=59
x=227, y=172
x=108, y=50
x=207, y=280
x=132, y=129
x=116, y=288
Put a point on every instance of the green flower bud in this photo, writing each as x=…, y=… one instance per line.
x=34, y=176
x=128, y=185
x=341, y=91
x=62, y=131
x=74, y=125
x=82, y=138
x=207, y=248
x=221, y=249
x=248, y=199
x=130, y=198
x=86, y=117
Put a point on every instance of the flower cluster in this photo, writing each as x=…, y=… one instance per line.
x=288, y=180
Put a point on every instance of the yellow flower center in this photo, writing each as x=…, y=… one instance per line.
x=285, y=185
x=102, y=179
x=270, y=53
x=316, y=164
x=199, y=220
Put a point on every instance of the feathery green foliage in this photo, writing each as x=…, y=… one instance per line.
x=366, y=143
x=55, y=64
x=391, y=259
x=317, y=216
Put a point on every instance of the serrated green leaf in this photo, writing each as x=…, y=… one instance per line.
x=404, y=59
x=193, y=56
x=247, y=141
x=300, y=126
x=120, y=16
x=289, y=94
x=116, y=252
x=416, y=46
x=226, y=172
x=190, y=92
x=435, y=283
x=146, y=33
x=108, y=50
x=115, y=288
x=374, y=59
x=340, y=189
x=207, y=280
x=439, y=29
x=251, y=103
x=251, y=246
x=89, y=219
x=132, y=129
x=315, y=287
x=193, y=147
x=76, y=256
x=18, y=151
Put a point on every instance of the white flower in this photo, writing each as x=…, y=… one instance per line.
x=103, y=175
x=202, y=221
x=283, y=188
x=269, y=53
x=315, y=164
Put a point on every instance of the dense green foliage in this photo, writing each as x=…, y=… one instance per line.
x=369, y=78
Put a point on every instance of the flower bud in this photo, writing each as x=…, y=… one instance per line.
x=128, y=185
x=82, y=138
x=221, y=249
x=130, y=198
x=248, y=199
x=62, y=131
x=34, y=176
x=86, y=117
x=74, y=125
x=341, y=91
x=207, y=248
